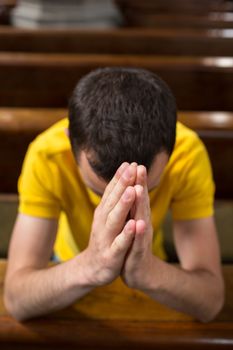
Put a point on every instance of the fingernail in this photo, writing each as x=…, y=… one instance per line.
x=123, y=166
x=128, y=173
x=142, y=171
x=134, y=164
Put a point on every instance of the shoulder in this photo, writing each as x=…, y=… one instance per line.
x=185, y=136
x=191, y=177
x=188, y=146
x=189, y=165
x=52, y=141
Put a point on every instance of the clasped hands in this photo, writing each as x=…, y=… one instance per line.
x=121, y=236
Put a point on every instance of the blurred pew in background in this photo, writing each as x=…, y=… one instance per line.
x=18, y=127
x=47, y=80
x=177, y=14
x=119, y=41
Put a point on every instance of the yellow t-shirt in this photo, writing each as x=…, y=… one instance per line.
x=50, y=186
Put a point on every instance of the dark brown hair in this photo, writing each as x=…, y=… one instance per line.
x=121, y=114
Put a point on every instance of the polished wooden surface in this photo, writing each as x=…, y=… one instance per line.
x=38, y=119
x=19, y=126
x=32, y=121
x=180, y=6
x=115, y=316
x=47, y=80
x=119, y=41
x=177, y=14
x=215, y=20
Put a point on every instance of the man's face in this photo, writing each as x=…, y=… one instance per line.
x=98, y=185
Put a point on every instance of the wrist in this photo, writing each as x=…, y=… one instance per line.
x=85, y=276
x=151, y=278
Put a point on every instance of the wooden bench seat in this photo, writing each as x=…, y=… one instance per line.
x=119, y=41
x=18, y=127
x=117, y=317
x=46, y=80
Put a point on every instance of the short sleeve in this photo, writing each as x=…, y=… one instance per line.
x=194, y=190
x=36, y=185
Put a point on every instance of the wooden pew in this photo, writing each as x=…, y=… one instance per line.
x=119, y=41
x=177, y=14
x=116, y=317
x=18, y=127
x=5, y=8
x=46, y=80
x=178, y=6
x=214, y=20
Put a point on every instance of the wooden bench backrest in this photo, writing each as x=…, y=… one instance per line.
x=150, y=20
x=119, y=41
x=46, y=80
x=178, y=6
x=177, y=14
x=18, y=127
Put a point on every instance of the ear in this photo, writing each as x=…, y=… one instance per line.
x=66, y=131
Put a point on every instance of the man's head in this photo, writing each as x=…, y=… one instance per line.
x=121, y=114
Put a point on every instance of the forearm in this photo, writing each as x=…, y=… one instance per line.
x=198, y=293
x=29, y=293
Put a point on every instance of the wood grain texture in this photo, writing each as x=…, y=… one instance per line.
x=150, y=20
x=177, y=14
x=119, y=41
x=178, y=6
x=118, y=317
x=47, y=80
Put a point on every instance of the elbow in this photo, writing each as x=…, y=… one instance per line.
x=214, y=308
x=11, y=305
x=211, y=314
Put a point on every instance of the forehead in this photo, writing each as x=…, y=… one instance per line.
x=98, y=185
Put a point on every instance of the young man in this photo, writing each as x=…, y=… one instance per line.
x=99, y=203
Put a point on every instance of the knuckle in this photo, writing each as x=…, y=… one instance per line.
x=111, y=219
x=108, y=206
x=105, y=259
x=117, y=246
x=99, y=214
x=109, y=185
x=123, y=182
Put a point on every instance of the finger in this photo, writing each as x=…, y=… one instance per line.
x=127, y=178
x=142, y=204
x=117, y=217
x=140, y=228
x=139, y=192
x=123, y=241
x=139, y=238
x=114, y=180
x=141, y=175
